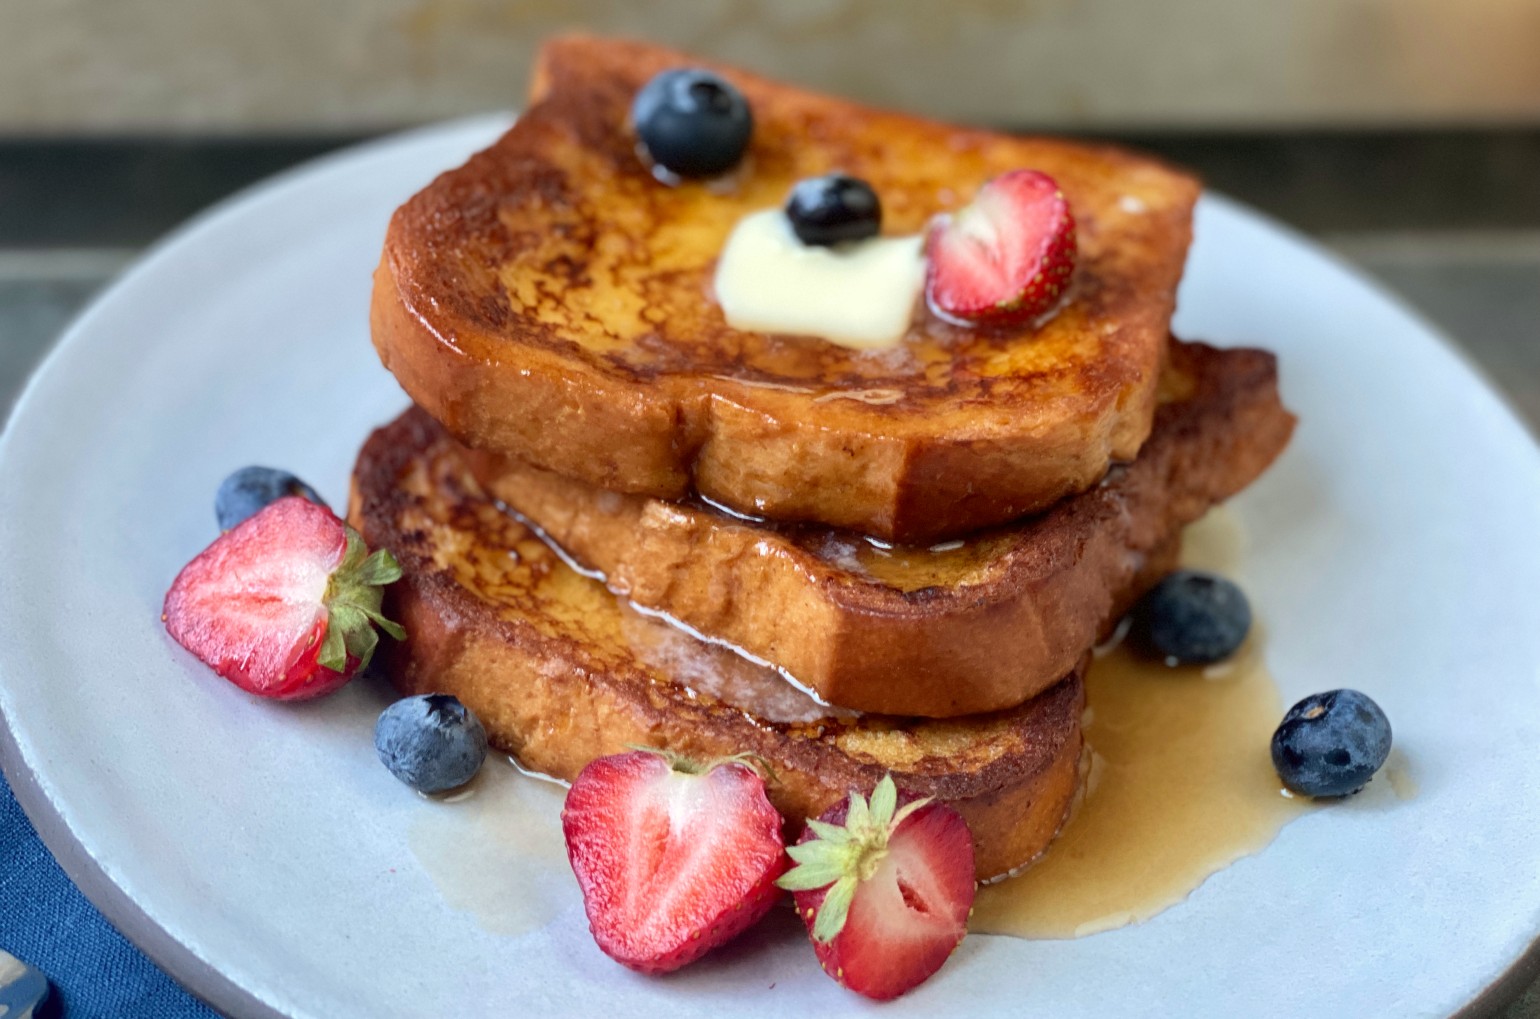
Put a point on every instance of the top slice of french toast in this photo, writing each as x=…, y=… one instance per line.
x=552, y=300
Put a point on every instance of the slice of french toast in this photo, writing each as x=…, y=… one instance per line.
x=560, y=671
x=916, y=630
x=552, y=300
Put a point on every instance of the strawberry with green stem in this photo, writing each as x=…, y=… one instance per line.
x=884, y=888
x=286, y=604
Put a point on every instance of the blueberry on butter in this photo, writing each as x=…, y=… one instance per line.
x=249, y=489
x=431, y=742
x=833, y=209
x=692, y=123
x=1330, y=744
x=1190, y=618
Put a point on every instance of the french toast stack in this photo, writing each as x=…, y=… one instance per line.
x=623, y=521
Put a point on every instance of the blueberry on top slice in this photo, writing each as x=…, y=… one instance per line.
x=1191, y=618
x=833, y=209
x=1331, y=743
x=249, y=489
x=692, y=122
x=431, y=742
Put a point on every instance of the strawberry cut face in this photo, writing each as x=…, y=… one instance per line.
x=256, y=606
x=907, y=877
x=910, y=916
x=1007, y=257
x=671, y=863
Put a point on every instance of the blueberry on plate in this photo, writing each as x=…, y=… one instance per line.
x=431, y=742
x=833, y=209
x=1331, y=744
x=692, y=123
x=1191, y=618
x=249, y=489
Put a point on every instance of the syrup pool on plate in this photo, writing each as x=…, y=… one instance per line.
x=495, y=850
x=1179, y=785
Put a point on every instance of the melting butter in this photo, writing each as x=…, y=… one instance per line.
x=859, y=295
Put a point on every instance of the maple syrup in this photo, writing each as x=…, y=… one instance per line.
x=1180, y=783
x=495, y=849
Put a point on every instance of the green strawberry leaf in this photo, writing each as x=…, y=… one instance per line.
x=354, y=595
x=834, y=910
x=391, y=627
x=379, y=569
x=829, y=832
x=840, y=857
x=810, y=875
x=858, y=817
x=884, y=802
x=334, y=652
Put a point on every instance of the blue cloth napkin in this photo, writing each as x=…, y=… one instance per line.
x=46, y=922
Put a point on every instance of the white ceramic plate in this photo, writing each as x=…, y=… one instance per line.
x=262, y=854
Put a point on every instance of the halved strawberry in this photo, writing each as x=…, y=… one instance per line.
x=1005, y=258
x=885, y=890
x=284, y=604
x=673, y=858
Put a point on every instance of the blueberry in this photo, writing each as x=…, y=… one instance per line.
x=1190, y=618
x=245, y=492
x=1330, y=744
x=692, y=122
x=431, y=742
x=833, y=209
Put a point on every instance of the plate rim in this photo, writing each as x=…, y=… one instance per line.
x=198, y=975
x=193, y=973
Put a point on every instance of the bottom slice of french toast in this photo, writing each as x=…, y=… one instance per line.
x=560, y=671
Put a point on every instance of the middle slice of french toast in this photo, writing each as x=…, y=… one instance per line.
x=926, y=631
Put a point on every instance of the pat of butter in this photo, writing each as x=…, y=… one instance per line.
x=858, y=295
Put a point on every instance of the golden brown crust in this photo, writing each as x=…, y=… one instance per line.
x=560, y=672
x=550, y=299
x=908, y=630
